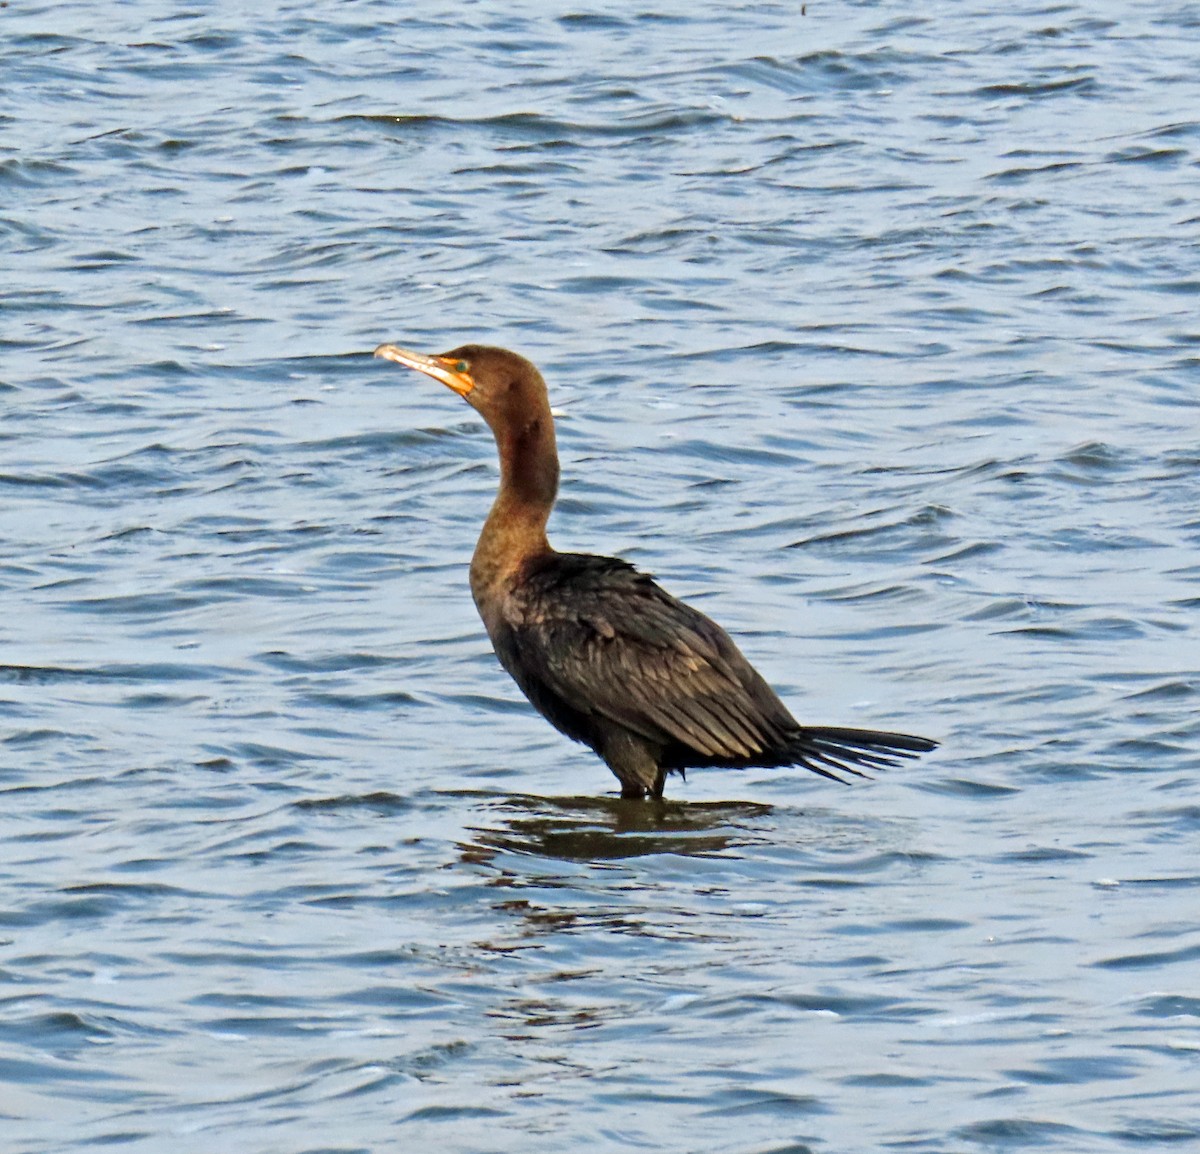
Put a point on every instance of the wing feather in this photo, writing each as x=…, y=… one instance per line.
x=612, y=644
x=593, y=643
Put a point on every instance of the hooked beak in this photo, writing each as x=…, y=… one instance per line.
x=439, y=368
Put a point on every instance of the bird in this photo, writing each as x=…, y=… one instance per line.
x=602, y=651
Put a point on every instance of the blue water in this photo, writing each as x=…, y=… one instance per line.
x=874, y=332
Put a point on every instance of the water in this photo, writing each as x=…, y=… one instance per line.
x=875, y=335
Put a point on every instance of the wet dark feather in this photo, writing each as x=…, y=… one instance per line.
x=594, y=643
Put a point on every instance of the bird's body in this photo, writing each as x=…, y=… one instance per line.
x=601, y=651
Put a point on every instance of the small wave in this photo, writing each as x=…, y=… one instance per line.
x=537, y=128
x=1034, y=89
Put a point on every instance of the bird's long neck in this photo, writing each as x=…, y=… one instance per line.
x=515, y=530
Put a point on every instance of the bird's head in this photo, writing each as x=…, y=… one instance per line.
x=504, y=388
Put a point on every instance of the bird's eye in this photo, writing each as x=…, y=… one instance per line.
x=461, y=367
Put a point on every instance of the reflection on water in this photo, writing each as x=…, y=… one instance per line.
x=585, y=829
x=553, y=869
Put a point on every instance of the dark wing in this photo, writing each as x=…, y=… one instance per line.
x=611, y=644
x=592, y=641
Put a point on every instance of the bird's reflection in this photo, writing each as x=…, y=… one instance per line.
x=582, y=829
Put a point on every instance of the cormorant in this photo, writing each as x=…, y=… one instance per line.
x=603, y=653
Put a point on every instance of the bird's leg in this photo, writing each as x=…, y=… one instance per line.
x=635, y=763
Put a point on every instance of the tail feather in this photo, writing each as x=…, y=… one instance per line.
x=852, y=750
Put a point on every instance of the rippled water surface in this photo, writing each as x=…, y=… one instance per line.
x=875, y=332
